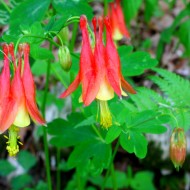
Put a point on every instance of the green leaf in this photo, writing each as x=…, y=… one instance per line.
x=26, y=160
x=8, y=38
x=88, y=121
x=19, y=182
x=134, y=142
x=51, y=99
x=73, y=8
x=4, y=15
x=150, y=7
x=41, y=186
x=112, y=134
x=39, y=67
x=146, y=99
x=96, y=150
x=6, y=168
x=146, y=183
x=147, y=122
x=125, y=50
x=184, y=36
x=35, y=31
x=28, y=12
x=135, y=63
x=56, y=23
x=131, y=8
x=65, y=134
x=41, y=53
x=120, y=177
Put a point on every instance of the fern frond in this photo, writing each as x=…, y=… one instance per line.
x=146, y=99
x=175, y=87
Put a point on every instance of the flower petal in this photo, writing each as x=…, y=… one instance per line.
x=121, y=20
x=90, y=86
x=5, y=76
x=114, y=80
x=29, y=89
x=112, y=60
x=86, y=58
x=8, y=111
x=71, y=88
x=17, y=93
x=127, y=86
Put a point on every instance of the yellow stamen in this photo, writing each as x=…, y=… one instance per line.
x=105, y=114
x=12, y=143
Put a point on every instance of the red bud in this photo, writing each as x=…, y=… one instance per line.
x=178, y=147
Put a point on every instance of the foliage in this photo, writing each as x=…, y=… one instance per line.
x=81, y=151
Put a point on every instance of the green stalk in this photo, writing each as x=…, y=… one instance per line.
x=111, y=167
x=6, y=6
x=47, y=160
x=74, y=36
x=58, y=173
x=33, y=36
x=105, y=7
x=114, y=181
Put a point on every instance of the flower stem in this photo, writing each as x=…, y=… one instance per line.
x=47, y=160
x=74, y=35
x=105, y=7
x=34, y=36
x=111, y=168
x=5, y=6
x=58, y=173
x=114, y=181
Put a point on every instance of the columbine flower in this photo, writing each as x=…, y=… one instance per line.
x=118, y=26
x=17, y=97
x=178, y=147
x=100, y=72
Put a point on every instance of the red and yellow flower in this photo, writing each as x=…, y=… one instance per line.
x=17, y=96
x=119, y=29
x=100, y=71
x=178, y=146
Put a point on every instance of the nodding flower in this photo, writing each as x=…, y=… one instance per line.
x=178, y=146
x=100, y=71
x=117, y=21
x=17, y=95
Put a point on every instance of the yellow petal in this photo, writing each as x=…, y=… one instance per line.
x=123, y=93
x=105, y=92
x=22, y=119
x=117, y=35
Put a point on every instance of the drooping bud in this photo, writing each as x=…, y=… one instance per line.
x=105, y=114
x=178, y=146
x=64, y=35
x=65, y=58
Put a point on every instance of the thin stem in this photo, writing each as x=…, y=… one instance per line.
x=114, y=181
x=33, y=36
x=6, y=6
x=110, y=166
x=58, y=173
x=58, y=36
x=97, y=132
x=105, y=7
x=47, y=160
x=74, y=35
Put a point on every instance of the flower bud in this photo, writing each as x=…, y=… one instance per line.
x=64, y=35
x=178, y=146
x=64, y=58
